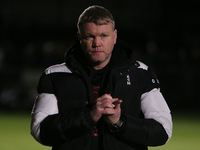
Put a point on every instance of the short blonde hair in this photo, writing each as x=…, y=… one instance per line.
x=96, y=14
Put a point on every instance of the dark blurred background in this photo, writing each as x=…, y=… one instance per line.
x=163, y=34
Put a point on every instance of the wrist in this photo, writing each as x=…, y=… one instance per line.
x=116, y=126
x=94, y=116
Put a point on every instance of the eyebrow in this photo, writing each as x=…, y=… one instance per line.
x=103, y=33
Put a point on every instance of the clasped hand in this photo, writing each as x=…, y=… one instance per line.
x=106, y=107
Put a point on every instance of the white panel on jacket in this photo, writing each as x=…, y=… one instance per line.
x=45, y=104
x=142, y=65
x=154, y=106
x=57, y=68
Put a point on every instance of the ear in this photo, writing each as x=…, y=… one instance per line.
x=115, y=36
x=79, y=36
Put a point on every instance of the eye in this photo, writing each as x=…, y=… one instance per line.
x=104, y=35
x=89, y=37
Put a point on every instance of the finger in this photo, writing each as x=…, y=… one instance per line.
x=101, y=105
x=108, y=111
x=117, y=104
x=107, y=105
x=106, y=100
x=114, y=100
x=119, y=101
x=105, y=96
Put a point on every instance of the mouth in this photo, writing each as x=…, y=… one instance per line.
x=96, y=52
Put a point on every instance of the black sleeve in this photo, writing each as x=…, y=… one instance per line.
x=143, y=131
x=147, y=131
x=59, y=128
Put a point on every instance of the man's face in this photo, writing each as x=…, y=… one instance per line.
x=97, y=42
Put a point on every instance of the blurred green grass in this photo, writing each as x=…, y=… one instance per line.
x=15, y=133
x=186, y=133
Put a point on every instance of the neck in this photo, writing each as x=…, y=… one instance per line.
x=98, y=65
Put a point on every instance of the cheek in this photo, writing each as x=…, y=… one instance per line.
x=110, y=46
x=85, y=45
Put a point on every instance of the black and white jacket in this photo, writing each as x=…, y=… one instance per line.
x=61, y=118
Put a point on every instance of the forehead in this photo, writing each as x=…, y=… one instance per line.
x=92, y=28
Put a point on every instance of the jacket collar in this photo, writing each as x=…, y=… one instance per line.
x=120, y=55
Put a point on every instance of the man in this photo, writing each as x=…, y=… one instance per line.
x=100, y=98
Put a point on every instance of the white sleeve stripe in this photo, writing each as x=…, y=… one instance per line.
x=153, y=106
x=45, y=104
x=57, y=68
x=35, y=125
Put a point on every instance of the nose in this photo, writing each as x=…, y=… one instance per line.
x=96, y=42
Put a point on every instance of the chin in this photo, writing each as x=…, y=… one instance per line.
x=95, y=59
